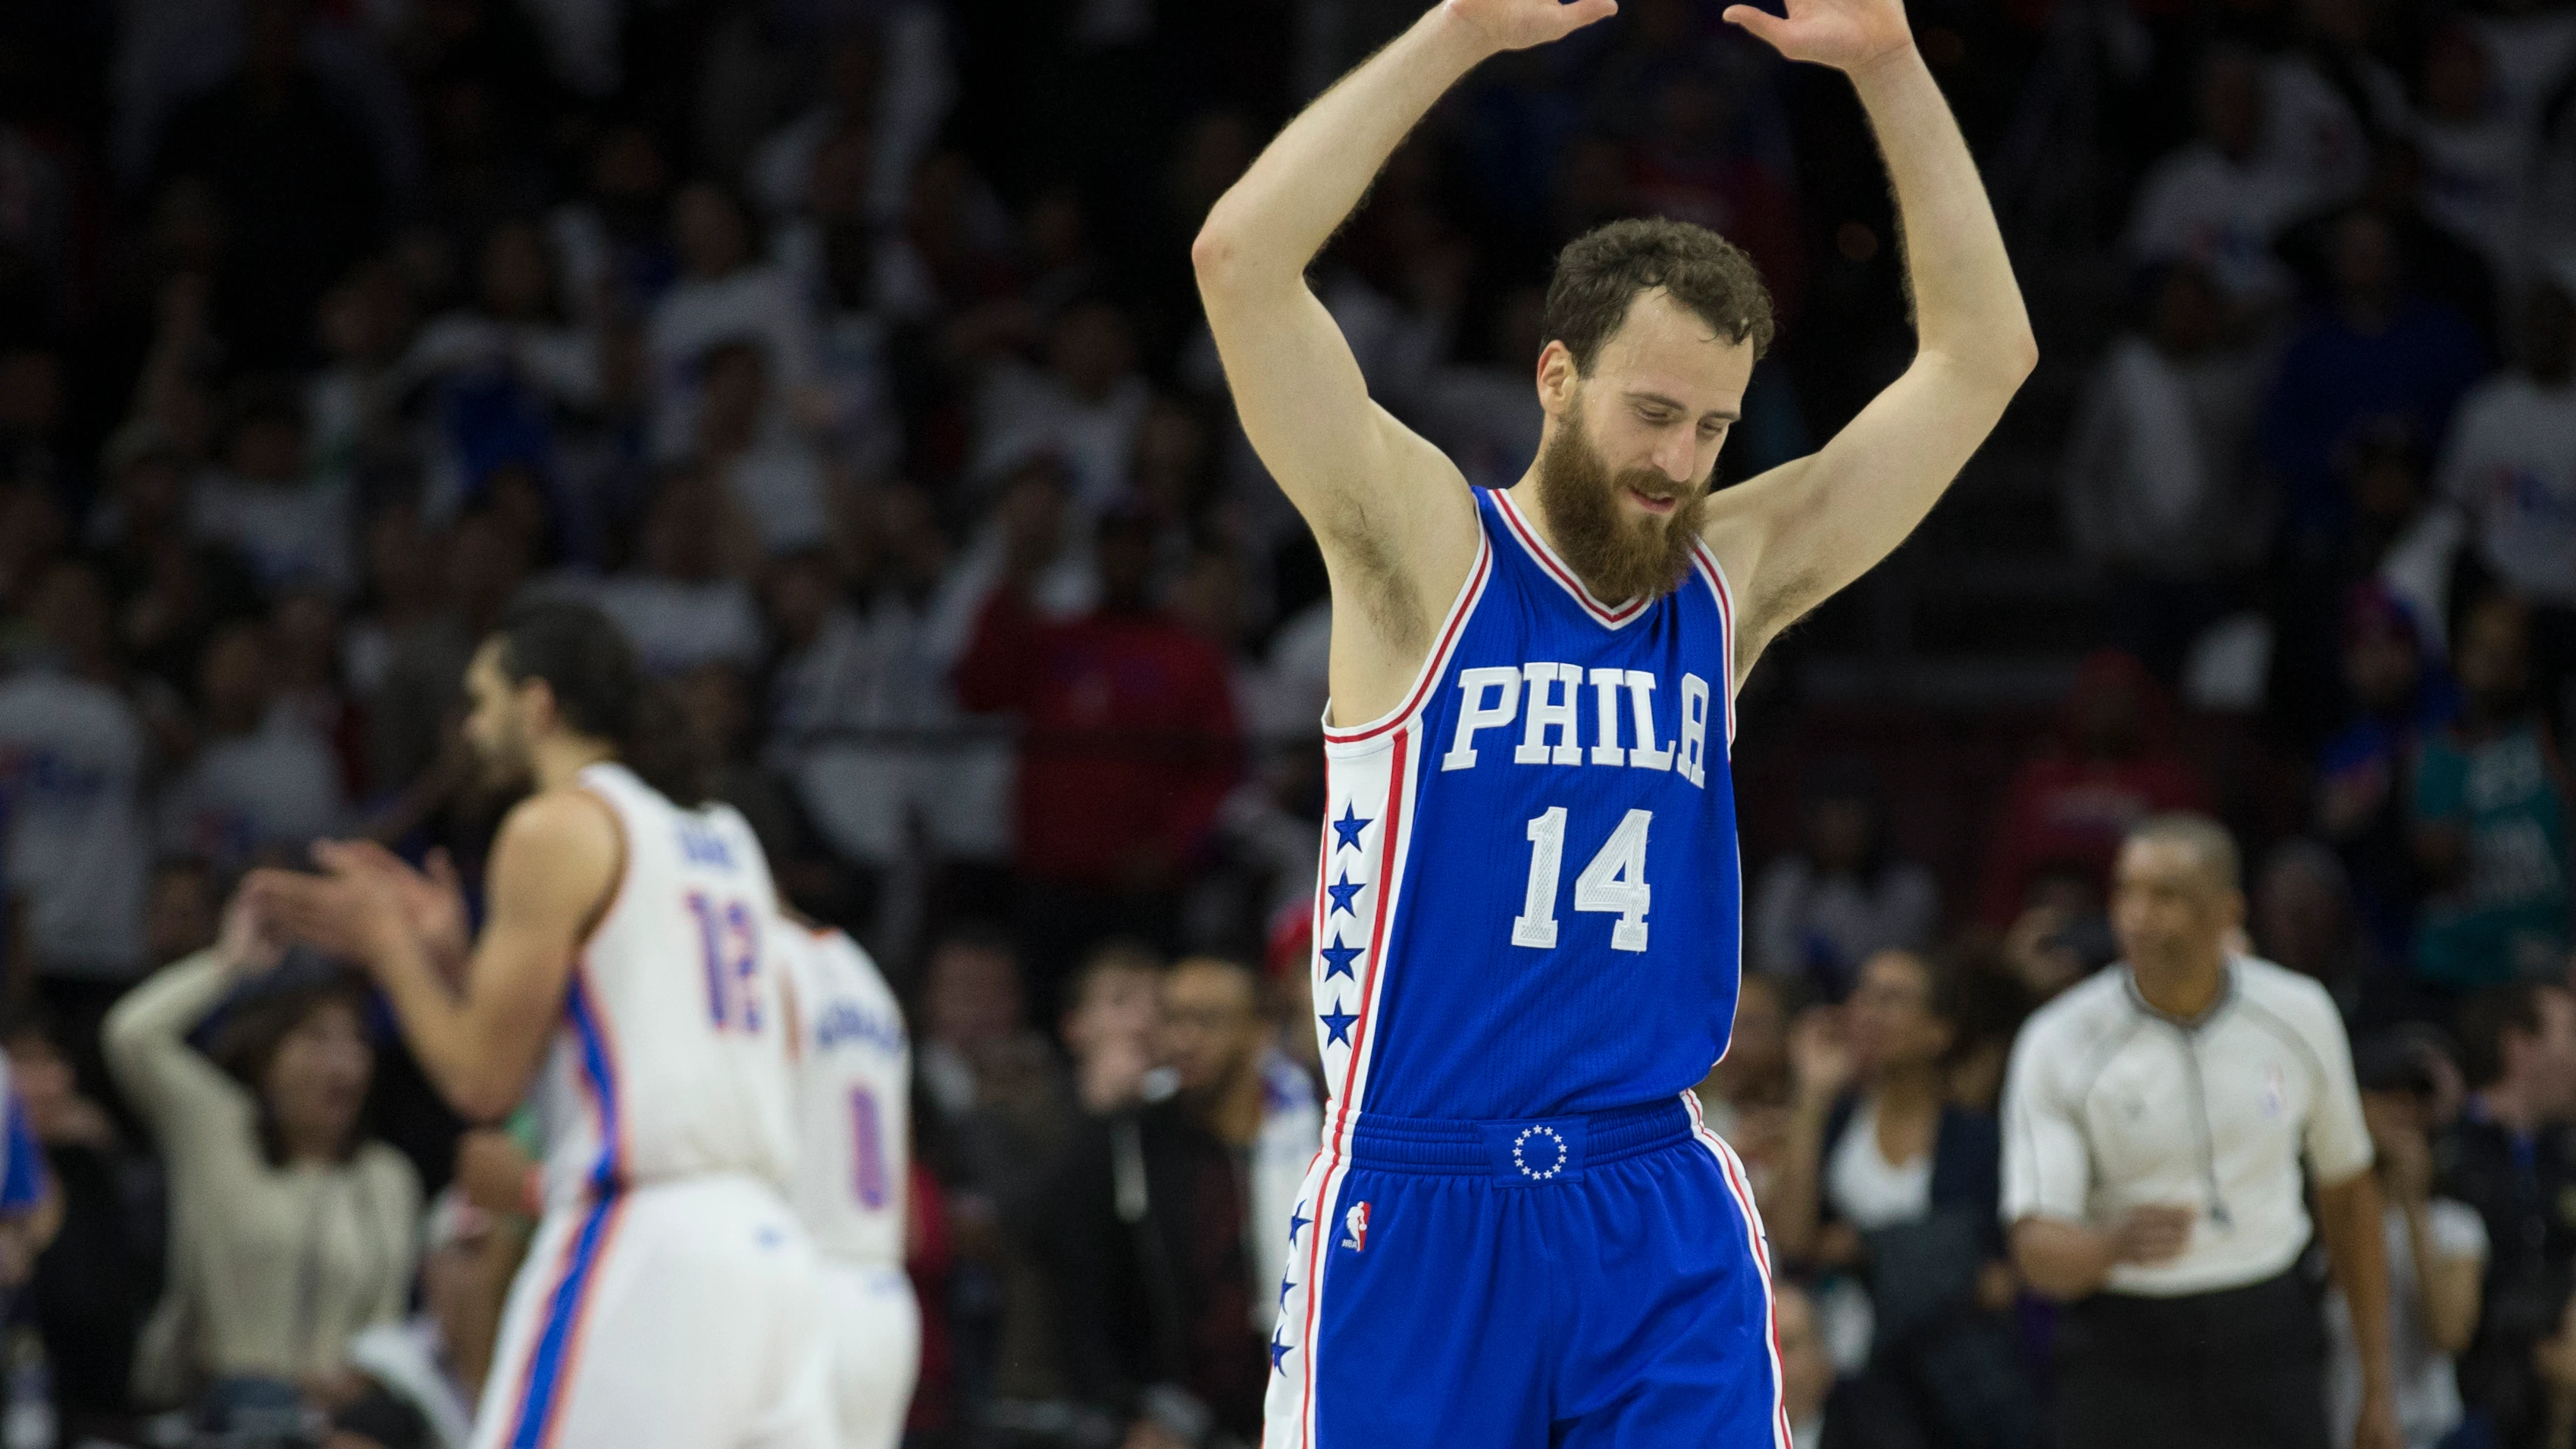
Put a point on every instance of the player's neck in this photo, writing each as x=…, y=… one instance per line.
x=556, y=761
x=2185, y=992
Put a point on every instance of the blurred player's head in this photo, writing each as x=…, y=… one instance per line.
x=1213, y=1029
x=1653, y=330
x=553, y=671
x=2177, y=894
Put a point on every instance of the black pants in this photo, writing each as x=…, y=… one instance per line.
x=2238, y=1369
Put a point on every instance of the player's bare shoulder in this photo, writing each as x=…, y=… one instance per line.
x=567, y=843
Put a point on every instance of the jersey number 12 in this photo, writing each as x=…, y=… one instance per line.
x=729, y=937
x=1613, y=884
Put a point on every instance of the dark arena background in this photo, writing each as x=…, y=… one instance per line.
x=793, y=333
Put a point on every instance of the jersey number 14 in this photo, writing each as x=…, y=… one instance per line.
x=1613, y=884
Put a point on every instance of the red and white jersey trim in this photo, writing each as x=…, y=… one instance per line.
x=1606, y=615
x=1451, y=626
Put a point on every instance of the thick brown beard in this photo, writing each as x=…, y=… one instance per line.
x=1578, y=495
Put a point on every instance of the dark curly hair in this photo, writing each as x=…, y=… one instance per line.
x=1600, y=274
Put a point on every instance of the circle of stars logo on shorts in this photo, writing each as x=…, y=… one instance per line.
x=1521, y=1160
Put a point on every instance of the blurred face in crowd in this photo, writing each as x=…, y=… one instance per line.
x=731, y=389
x=1123, y=551
x=316, y=1081
x=1092, y=349
x=2231, y=102
x=2302, y=917
x=72, y=612
x=1757, y=1050
x=2171, y=911
x=233, y=679
x=1213, y=1032
x=2188, y=312
x=268, y=447
x=802, y=589
x=1890, y=1017
x=973, y=996
x=501, y=722
x=180, y=915
x=45, y=1082
x=2495, y=654
x=1120, y=1008
x=1842, y=830
x=1806, y=1370
x=2364, y=260
x=1623, y=477
x=2541, y=1067
x=717, y=703
x=2381, y=668
x=515, y=280
x=709, y=231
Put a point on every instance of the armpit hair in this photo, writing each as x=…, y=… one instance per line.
x=1384, y=592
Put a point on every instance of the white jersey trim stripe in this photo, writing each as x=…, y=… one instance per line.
x=1755, y=1241
x=1715, y=574
x=1454, y=625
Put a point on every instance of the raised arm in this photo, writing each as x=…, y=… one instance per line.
x=553, y=865
x=1796, y=535
x=1394, y=517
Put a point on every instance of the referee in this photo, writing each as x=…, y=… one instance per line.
x=2155, y=1120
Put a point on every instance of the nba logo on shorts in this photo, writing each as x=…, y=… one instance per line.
x=1356, y=1221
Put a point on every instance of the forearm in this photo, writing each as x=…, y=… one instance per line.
x=2062, y=1260
x=1793, y=1231
x=1283, y=210
x=2348, y=1217
x=1967, y=308
x=437, y=1028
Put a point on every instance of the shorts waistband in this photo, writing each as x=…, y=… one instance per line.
x=1525, y=1150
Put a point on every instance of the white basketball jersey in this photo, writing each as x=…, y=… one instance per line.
x=671, y=1061
x=853, y=1098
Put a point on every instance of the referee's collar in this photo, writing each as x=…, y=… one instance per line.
x=2138, y=1001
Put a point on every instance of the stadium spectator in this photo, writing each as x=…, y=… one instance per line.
x=2491, y=819
x=2511, y=466
x=2109, y=765
x=1825, y=1410
x=1883, y=1175
x=94, y=1283
x=2157, y=1123
x=2372, y=352
x=1128, y=748
x=687, y=601
x=2437, y=1252
x=2508, y=1157
x=262, y=783
x=724, y=293
x=1113, y=1026
x=1152, y=1238
x=2155, y=477
x=2218, y=201
x=2365, y=774
x=1820, y=911
x=289, y=525
x=291, y=1228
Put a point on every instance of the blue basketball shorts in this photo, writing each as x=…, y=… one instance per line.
x=1587, y=1282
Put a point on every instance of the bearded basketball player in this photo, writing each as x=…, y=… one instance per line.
x=1518, y=1232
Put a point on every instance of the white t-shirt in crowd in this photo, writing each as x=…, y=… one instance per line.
x=287, y=532
x=1868, y=1191
x=77, y=852
x=778, y=485
x=2109, y=1106
x=757, y=304
x=2428, y=1392
x=246, y=795
x=2512, y=464
x=2196, y=205
x=676, y=625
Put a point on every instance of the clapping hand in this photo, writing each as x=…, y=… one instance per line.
x=432, y=901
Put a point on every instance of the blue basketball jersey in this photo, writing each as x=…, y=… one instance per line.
x=1530, y=902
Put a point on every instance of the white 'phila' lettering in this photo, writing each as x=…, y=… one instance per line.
x=1490, y=698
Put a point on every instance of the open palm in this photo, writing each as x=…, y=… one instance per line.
x=1520, y=24
x=1844, y=34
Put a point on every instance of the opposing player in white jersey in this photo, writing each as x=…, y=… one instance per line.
x=624, y=976
x=854, y=1159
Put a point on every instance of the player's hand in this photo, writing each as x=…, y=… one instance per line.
x=351, y=915
x=1849, y=35
x=1520, y=24
x=2152, y=1235
x=493, y=1172
x=433, y=901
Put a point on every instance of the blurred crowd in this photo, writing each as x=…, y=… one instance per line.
x=846, y=353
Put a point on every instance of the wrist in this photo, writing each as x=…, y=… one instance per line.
x=1896, y=60
x=1447, y=26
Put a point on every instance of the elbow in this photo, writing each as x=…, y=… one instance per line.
x=1213, y=256
x=2019, y=356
